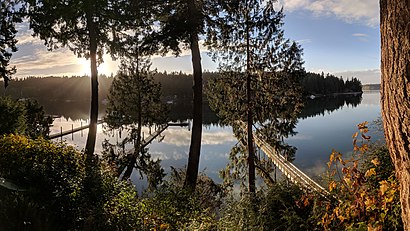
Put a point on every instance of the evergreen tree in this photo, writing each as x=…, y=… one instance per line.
x=9, y=16
x=181, y=23
x=260, y=74
x=89, y=29
x=134, y=102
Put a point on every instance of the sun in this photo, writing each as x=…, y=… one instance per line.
x=84, y=66
x=105, y=68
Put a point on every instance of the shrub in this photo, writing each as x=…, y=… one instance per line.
x=276, y=208
x=49, y=177
x=365, y=189
x=46, y=188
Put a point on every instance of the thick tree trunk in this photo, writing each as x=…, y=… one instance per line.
x=196, y=135
x=395, y=92
x=92, y=132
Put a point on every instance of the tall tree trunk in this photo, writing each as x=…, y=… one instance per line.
x=395, y=92
x=251, y=151
x=92, y=132
x=196, y=134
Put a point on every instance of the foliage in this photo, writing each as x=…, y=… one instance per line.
x=50, y=179
x=172, y=207
x=135, y=101
x=23, y=117
x=277, y=208
x=134, y=94
x=260, y=74
x=89, y=29
x=74, y=24
x=366, y=191
x=9, y=16
x=44, y=188
x=319, y=84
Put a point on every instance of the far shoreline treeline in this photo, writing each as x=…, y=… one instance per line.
x=176, y=86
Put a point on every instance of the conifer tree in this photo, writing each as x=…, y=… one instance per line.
x=9, y=16
x=181, y=23
x=89, y=29
x=260, y=71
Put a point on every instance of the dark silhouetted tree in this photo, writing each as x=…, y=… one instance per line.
x=89, y=29
x=181, y=23
x=260, y=72
x=134, y=102
x=9, y=16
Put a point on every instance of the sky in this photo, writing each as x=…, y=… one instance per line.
x=340, y=37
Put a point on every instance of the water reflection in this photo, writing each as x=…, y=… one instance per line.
x=325, y=124
x=329, y=104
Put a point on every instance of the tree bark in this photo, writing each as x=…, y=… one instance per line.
x=196, y=134
x=251, y=151
x=92, y=132
x=395, y=89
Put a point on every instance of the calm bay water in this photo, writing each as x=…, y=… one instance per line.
x=317, y=135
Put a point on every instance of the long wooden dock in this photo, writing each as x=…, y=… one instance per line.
x=288, y=169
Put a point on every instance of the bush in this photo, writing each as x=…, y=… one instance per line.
x=276, y=208
x=50, y=178
x=23, y=117
x=365, y=189
x=46, y=188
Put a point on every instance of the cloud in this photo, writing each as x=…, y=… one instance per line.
x=39, y=61
x=351, y=11
x=365, y=76
x=361, y=37
x=180, y=137
x=304, y=41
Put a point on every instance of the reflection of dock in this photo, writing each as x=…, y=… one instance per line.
x=151, y=137
x=181, y=124
x=71, y=131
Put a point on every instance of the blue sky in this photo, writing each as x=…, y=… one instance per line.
x=338, y=36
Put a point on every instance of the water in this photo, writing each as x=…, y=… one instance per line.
x=328, y=124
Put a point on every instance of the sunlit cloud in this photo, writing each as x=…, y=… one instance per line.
x=183, y=137
x=351, y=11
x=175, y=155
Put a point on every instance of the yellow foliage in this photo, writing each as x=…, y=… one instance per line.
x=384, y=186
x=370, y=172
x=359, y=202
x=376, y=162
x=332, y=185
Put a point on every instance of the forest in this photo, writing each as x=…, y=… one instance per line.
x=174, y=86
x=260, y=91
